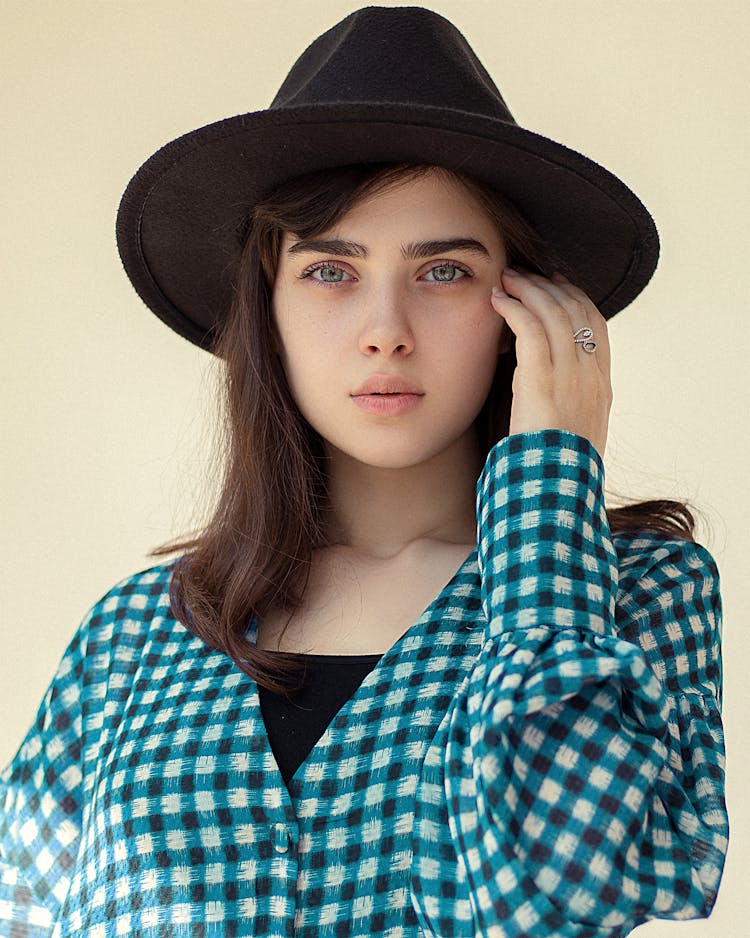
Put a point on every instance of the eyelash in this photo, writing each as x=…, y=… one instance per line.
x=319, y=264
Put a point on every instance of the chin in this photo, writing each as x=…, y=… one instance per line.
x=396, y=454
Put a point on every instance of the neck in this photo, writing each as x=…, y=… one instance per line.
x=381, y=511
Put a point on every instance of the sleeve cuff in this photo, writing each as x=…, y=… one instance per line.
x=545, y=549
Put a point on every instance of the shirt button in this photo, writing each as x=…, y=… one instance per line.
x=280, y=838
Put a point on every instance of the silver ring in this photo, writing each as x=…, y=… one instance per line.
x=585, y=334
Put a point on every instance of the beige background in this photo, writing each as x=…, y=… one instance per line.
x=107, y=413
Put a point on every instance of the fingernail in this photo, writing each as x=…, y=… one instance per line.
x=509, y=270
x=496, y=291
x=558, y=276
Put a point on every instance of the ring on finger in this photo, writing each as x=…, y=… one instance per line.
x=584, y=337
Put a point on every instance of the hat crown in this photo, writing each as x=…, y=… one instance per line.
x=384, y=85
x=393, y=55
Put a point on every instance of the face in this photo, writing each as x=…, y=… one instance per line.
x=390, y=343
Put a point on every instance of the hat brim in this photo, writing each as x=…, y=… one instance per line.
x=180, y=220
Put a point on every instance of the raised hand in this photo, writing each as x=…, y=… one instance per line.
x=557, y=384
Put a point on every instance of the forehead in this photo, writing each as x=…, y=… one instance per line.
x=432, y=205
x=435, y=191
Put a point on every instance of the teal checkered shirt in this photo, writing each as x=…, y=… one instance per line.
x=539, y=756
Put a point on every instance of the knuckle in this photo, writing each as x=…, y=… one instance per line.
x=536, y=330
x=561, y=316
x=577, y=309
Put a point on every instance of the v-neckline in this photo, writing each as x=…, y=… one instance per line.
x=372, y=677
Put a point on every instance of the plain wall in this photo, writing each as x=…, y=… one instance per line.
x=108, y=414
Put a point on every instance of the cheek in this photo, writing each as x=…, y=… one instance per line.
x=308, y=361
x=487, y=331
x=299, y=338
x=470, y=355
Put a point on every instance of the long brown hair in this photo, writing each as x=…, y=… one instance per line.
x=254, y=553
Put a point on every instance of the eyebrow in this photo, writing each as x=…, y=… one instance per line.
x=412, y=251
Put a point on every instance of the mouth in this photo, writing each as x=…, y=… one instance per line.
x=383, y=385
x=387, y=403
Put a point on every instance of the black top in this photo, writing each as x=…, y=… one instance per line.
x=295, y=726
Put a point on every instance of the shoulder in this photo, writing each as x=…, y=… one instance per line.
x=105, y=651
x=657, y=560
x=137, y=594
x=132, y=608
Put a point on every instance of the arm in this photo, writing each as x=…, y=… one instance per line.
x=40, y=807
x=596, y=735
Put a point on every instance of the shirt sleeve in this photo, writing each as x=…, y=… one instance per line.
x=596, y=796
x=40, y=807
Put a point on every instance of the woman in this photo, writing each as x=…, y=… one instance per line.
x=413, y=678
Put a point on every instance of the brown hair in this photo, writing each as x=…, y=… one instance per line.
x=255, y=551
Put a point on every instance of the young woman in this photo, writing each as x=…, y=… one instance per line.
x=413, y=678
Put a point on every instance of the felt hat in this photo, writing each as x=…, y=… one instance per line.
x=386, y=84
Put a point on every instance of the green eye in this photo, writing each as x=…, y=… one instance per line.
x=331, y=274
x=447, y=273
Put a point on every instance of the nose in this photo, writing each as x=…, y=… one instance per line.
x=386, y=328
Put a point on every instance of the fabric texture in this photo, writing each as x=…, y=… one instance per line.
x=539, y=755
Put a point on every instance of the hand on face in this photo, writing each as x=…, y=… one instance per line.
x=556, y=384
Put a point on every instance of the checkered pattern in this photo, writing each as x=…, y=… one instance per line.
x=539, y=755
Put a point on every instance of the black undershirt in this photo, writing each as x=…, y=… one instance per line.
x=294, y=726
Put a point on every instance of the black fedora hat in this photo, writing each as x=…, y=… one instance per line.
x=386, y=84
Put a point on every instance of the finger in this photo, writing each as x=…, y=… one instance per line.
x=583, y=312
x=554, y=286
x=597, y=323
x=559, y=314
x=532, y=345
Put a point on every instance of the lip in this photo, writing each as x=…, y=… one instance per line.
x=387, y=405
x=386, y=384
x=387, y=395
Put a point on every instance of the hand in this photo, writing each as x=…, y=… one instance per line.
x=556, y=384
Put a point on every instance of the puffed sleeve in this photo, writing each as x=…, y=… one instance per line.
x=40, y=806
x=586, y=787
